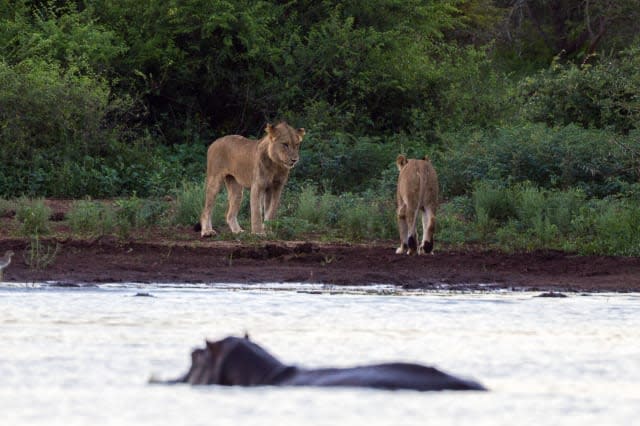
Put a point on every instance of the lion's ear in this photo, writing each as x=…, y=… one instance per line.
x=301, y=133
x=401, y=160
x=269, y=129
x=426, y=158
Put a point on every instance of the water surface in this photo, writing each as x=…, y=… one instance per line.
x=79, y=356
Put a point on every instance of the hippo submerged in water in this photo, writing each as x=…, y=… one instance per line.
x=238, y=361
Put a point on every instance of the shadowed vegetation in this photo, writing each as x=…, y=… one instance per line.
x=529, y=111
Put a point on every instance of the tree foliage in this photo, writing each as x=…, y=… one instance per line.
x=572, y=29
x=101, y=97
x=605, y=95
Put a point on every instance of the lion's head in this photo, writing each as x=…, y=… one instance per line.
x=284, y=144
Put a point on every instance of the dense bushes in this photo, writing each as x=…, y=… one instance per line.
x=600, y=162
x=344, y=162
x=603, y=95
x=47, y=116
x=121, y=99
x=59, y=139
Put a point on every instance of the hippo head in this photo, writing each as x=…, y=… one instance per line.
x=230, y=361
x=205, y=365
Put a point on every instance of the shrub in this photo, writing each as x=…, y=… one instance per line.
x=317, y=210
x=153, y=212
x=510, y=237
x=90, y=218
x=600, y=162
x=493, y=202
x=616, y=228
x=135, y=212
x=6, y=206
x=563, y=206
x=33, y=216
x=603, y=95
x=354, y=217
x=531, y=205
x=451, y=230
x=50, y=117
x=189, y=202
x=451, y=226
x=344, y=162
x=544, y=231
x=365, y=217
x=126, y=215
x=287, y=228
x=39, y=255
x=308, y=205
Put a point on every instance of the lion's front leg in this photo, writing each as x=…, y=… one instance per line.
x=272, y=202
x=257, y=205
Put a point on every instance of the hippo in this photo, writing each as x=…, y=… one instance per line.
x=237, y=361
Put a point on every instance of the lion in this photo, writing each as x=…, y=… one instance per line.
x=262, y=166
x=417, y=193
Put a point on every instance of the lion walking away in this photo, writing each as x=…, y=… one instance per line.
x=417, y=194
x=262, y=166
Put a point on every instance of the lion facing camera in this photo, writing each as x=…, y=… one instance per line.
x=417, y=194
x=262, y=166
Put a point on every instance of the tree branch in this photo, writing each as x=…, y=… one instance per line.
x=538, y=25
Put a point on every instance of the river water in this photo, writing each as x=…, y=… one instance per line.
x=82, y=356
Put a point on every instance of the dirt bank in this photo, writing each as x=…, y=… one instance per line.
x=108, y=260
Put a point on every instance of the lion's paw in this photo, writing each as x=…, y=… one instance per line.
x=207, y=233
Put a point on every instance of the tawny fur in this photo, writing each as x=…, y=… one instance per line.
x=417, y=194
x=262, y=166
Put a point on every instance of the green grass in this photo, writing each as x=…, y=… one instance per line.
x=33, y=216
x=91, y=218
x=525, y=217
x=189, y=203
x=521, y=217
x=142, y=214
x=6, y=206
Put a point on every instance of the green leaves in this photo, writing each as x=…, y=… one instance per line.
x=597, y=161
x=604, y=95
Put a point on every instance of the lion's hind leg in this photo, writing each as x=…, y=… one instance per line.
x=212, y=187
x=428, y=229
x=402, y=228
x=412, y=238
x=234, y=192
x=409, y=234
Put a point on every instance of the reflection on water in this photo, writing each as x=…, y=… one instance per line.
x=78, y=356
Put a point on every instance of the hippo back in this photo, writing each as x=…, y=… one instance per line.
x=384, y=376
